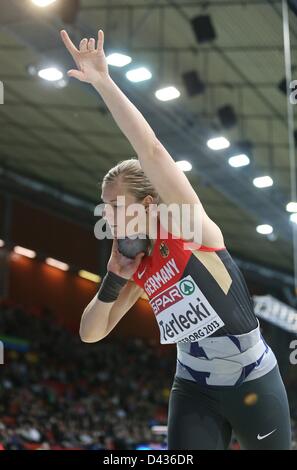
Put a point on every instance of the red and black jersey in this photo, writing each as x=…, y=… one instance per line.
x=195, y=291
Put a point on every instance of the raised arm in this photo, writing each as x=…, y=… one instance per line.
x=168, y=179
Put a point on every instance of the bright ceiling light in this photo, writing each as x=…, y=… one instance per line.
x=19, y=250
x=52, y=74
x=264, y=229
x=167, y=94
x=218, y=143
x=43, y=3
x=291, y=207
x=239, y=160
x=57, y=264
x=139, y=75
x=118, y=60
x=263, y=182
x=184, y=165
x=89, y=276
x=293, y=218
x=1, y=243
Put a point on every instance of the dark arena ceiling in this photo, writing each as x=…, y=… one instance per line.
x=65, y=139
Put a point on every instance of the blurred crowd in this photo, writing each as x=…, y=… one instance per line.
x=59, y=393
x=62, y=393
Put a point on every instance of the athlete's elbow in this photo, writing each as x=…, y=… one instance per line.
x=89, y=336
x=88, y=340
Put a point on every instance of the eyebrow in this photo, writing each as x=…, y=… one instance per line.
x=113, y=200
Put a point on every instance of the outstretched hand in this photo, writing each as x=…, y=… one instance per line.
x=90, y=60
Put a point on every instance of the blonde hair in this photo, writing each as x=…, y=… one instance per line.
x=134, y=179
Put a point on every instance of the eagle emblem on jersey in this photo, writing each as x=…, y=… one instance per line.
x=164, y=250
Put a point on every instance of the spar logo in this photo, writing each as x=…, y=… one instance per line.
x=172, y=295
x=187, y=287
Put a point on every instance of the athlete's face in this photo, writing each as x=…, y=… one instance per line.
x=119, y=210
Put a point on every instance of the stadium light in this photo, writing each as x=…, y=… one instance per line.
x=57, y=264
x=51, y=74
x=184, y=165
x=291, y=207
x=42, y=3
x=167, y=94
x=218, y=143
x=118, y=60
x=20, y=250
x=264, y=229
x=239, y=160
x=89, y=276
x=263, y=182
x=139, y=75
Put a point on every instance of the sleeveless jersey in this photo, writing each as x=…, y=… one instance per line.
x=201, y=302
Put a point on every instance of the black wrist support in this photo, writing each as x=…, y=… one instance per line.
x=110, y=287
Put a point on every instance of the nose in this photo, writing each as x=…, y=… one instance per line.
x=108, y=214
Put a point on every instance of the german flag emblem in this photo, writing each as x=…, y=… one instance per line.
x=164, y=250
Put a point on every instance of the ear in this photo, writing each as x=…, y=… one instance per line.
x=148, y=200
